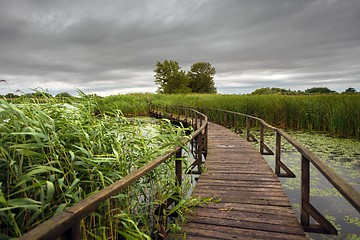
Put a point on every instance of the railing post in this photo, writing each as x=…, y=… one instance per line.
x=200, y=145
x=225, y=119
x=206, y=140
x=261, y=137
x=196, y=120
x=216, y=117
x=277, y=153
x=73, y=233
x=178, y=177
x=235, y=125
x=178, y=167
x=305, y=191
x=248, y=128
x=192, y=118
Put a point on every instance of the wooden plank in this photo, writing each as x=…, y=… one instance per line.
x=240, y=216
x=348, y=191
x=261, y=189
x=261, y=226
x=252, y=204
x=264, y=209
x=245, y=177
x=202, y=231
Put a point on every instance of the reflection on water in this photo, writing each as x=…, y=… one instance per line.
x=343, y=155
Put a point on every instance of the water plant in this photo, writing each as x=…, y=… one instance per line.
x=54, y=154
x=337, y=114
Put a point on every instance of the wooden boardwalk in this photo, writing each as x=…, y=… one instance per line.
x=252, y=203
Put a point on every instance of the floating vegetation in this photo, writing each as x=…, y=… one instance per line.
x=332, y=220
x=328, y=192
x=352, y=237
x=343, y=155
x=353, y=220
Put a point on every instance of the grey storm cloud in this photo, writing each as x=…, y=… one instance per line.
x=109, y=47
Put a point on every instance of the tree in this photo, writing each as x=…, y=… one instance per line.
x=63, y=95
x=201, y=77
x=319, y=90
x=170, y=78
x=273, y=90
x=37, y=94
x=350, y=90
x=11, y=95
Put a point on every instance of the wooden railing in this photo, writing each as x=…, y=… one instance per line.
x=189, y=117
x=232, y=119
x=67, y=224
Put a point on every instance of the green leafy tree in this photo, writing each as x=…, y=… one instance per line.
x=170, y=78
x=37, y=94
x=11, y=95
x=201, y=78
x=319, y=90
x=350, y=90
x=63, y=95
x=273, y=90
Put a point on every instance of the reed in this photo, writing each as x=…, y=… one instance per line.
x=56, y=152
x=53, y=154
x=337, y=114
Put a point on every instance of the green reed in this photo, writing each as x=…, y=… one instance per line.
x=54, y=154
x=337, y=114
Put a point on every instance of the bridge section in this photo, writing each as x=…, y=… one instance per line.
x=248, y=199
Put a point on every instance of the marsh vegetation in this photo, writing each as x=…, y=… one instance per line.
x=55, y=152
x=337, y=114
x=343, y=155
x=52, y=155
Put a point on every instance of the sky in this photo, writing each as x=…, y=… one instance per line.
x=110, y=47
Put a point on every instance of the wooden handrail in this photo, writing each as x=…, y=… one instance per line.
x=307, y=210
x=340, y=184
x=197, y=120
x=67, y=223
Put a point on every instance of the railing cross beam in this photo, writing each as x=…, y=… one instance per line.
x=307, y=209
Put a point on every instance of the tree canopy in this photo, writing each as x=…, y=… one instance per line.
x=201, y=77
x=171, y=79
x=350, y=90
x=319, y=90
x=63, y=95
x=274, y=90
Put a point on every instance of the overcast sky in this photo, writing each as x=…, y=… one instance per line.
x=110, y=47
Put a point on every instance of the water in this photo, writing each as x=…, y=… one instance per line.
x=343, y=155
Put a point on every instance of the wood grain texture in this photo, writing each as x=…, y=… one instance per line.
x=252, y=203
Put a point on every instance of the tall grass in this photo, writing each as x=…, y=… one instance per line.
x=52, y=155
x=129, y=104
x=338, y=114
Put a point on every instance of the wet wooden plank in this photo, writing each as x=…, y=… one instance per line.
x=202, y=231
x=252, y=203
x=253, y=208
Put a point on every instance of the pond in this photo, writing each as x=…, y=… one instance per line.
x=343, y=156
